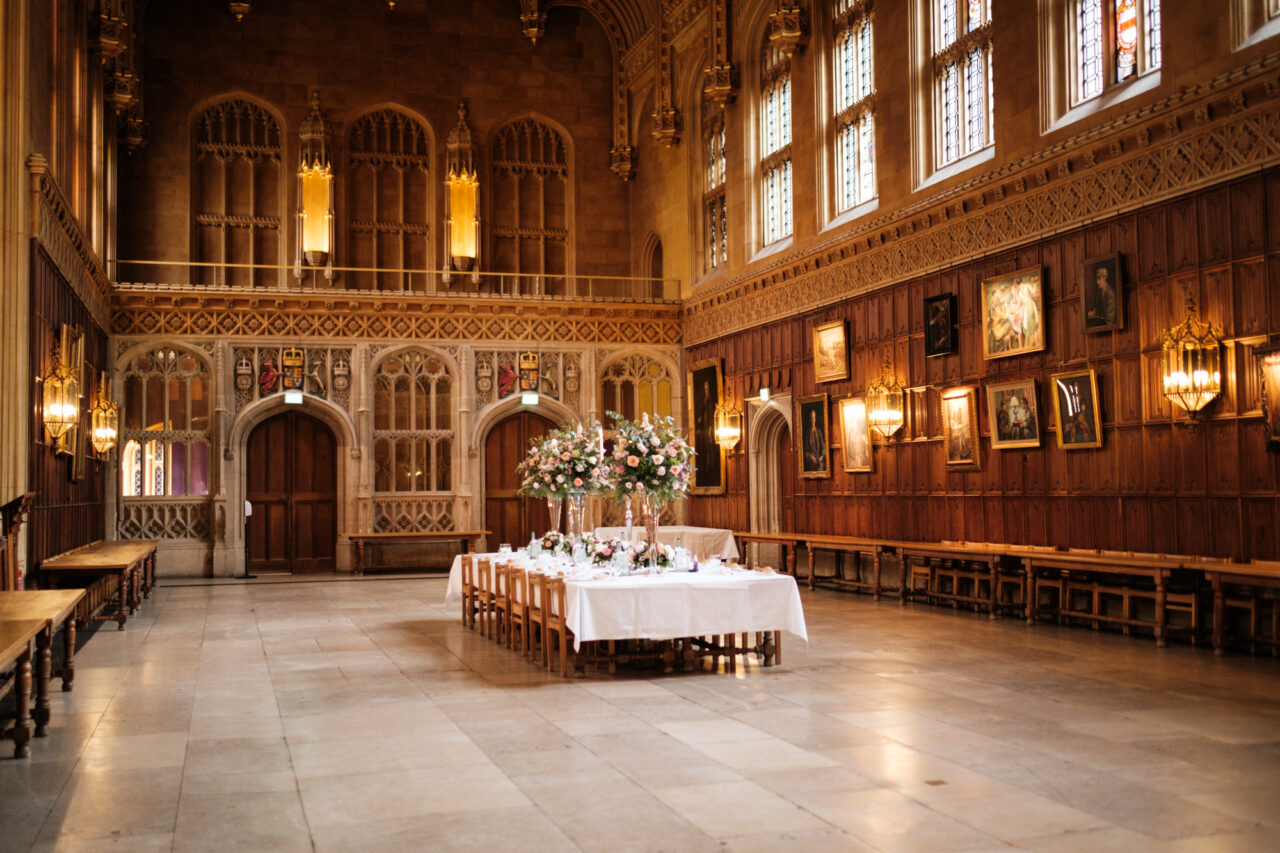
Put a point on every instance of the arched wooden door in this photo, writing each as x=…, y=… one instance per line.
x=511, y=518
x=292, y=471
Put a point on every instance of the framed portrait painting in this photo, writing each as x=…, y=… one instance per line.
x=960, y=428
x=706, y=390
x=1101, y=304
x=1075, y=408
x=830, y=352
x=940, y=325
x=1015, y=417
x=855, y=434
x=1269, y=364
x=814, y=444
x=1013, y=313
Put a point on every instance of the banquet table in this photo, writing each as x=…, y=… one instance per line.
x=668, y=605
x=702, y=542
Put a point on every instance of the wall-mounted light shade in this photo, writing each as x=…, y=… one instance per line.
x=728, y=428
x=61, y=397
x=1190, y=363
x=885, y=403
x=104, y=418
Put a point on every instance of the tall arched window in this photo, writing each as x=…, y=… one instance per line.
x=853, y=110
x=412, y=423
x=166, y=424
x=236, y=194
x=389, y=199
x=1114, y=41
x=961, y=39
x=530, y=224
x=635, y=384
x=775, y=144
x=715, y=218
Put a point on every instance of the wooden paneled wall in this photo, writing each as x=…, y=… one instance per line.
x=1156, y=484
x=66, y=513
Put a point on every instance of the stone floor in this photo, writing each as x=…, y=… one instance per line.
x=359, y=715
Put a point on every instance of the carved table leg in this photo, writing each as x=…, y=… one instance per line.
x=1161, y=598
x=1219, y=614
x=69, y=649
x=992, y=604
x=875, y=574
x=1033, y=592
x=22, y=695
x=122, y=614
x=43, y=668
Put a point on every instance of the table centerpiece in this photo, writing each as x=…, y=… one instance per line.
x=651, y=460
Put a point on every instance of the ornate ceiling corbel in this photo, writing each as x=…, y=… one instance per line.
x=666, y=118
x=789, y=28
x=533, y=21
x=721, y=85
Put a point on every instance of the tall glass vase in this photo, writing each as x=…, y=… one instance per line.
x=652, y=510
x=553, y=510
x=577, y=508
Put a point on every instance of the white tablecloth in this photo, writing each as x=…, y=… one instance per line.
x=702, y=542
x=673, y=604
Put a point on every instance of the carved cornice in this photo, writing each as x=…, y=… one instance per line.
x=226, y=312
x=58, y=231
x=1207, y=134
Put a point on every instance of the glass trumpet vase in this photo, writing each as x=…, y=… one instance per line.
x=652, y=511
x=577, y=509
x=553, y=511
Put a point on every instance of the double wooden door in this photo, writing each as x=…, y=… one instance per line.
x=511, y=518
x=292, y=472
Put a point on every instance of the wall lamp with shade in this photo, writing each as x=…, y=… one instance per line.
x=462, y=204
x=315, y=194
x=886, y=409
x=104, y=419
x=728, y=426
x=1190, y=364
x=60, y=395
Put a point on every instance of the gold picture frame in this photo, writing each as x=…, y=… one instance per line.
x=830, y=352
x=1013, y=313
x=960, y=429
x=855, y=435
x=706, y=391
x=1015, y=414
x=1075, y=409
x=1269, y=366
x=814, y=444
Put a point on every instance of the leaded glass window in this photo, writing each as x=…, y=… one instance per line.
x=775, y=147
x=962, y=72
x=853, y=107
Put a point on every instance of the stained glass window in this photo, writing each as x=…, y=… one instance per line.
x=1115, y=41
x=775, y=136
x=962, y=66
x=855, y=139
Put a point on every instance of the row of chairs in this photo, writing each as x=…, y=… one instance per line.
x=523, y=610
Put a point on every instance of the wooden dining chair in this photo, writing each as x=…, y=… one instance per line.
x=468, y=593
x=500, y=617
x=536, y=616
x=518, y=609
x=553, y=614
x=482, y=595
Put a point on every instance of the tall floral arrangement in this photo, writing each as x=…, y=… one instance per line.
x=565, y=462
x=650, y=459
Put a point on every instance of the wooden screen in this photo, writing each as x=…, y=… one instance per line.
x=292, y=472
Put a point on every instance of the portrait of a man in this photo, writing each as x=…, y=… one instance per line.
x=1075, y=406
x=939, y=325
x=1100, y=295
x=706, y=385
x=812, y=446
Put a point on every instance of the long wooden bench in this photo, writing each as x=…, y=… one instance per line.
x=465, y=538
x=122, y=572
x=57, y=608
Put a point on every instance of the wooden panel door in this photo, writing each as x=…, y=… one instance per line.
x=292, y=473
x=511, y=518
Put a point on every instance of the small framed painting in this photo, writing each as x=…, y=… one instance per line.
x=706, y=390
x=940, y=325
x=814, y=444
x=1015, y=417
x=1269, y=364
x=855, y=434
x=1013, y=314
x=960, y=428
x=1100, y=299
x=1075, y=408
x=830, y=352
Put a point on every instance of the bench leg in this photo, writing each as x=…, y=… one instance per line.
x=22, y=695
x=69, y=650
x=43, y=669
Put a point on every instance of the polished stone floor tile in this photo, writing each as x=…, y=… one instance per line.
x=335, y=714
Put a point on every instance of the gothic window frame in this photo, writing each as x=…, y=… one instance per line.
x=1253, y=21
x=851, y=116
x=775, y=181
x=629, y=374
x=147, y=450
x=388, y=432
x=715, y=217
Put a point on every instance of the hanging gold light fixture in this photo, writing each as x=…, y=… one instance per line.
x=462, y=203
x=315, y=194
x=104, y=418
x=885, y=403
x=61, y=396
x=1190, y=364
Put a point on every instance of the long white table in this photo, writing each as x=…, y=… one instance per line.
x=670, y=605
x=702, y=542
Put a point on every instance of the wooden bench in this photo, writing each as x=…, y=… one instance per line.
x=1247, y=587
x=119, y=571
x=56, y=608
x=15, y=651
x=789, y=542
x=466, y=539
x=857, y=546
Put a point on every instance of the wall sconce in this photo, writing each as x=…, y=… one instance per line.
x=462, y=204
x=239, y=9
x=61, y=396
x=728, y=427
x=885, y=406
x=764, y=395
x=104, y=418
x=1190, y=363
x=315, y=194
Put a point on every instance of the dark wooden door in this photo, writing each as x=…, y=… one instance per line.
x=512, y=519
x=786, y=474
x=292, y=471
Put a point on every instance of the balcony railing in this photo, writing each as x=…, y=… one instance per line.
x=266, y=278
